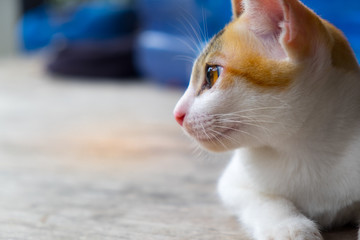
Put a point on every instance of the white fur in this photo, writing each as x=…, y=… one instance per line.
x=296, y=167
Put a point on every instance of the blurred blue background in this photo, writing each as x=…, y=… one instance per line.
x=155, y=39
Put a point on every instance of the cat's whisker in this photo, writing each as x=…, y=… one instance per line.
x=199, y=151
x=257, y=109
x=204, y=131
x=201, y=32
x=217, y=139
x=238, y=130
x=213, y=136
x=282, y=101
x=221, y=135
x=242, y=120
x=247, y=123
x=225, y=136
x=195, y=147
x=254, y=123
x=240, y=113
x=248, y=118
x=194, y=48
x=241, y=116
x=193, y=34
x=205, y=27
x=185, y=58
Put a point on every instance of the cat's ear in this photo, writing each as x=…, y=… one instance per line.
x=237, y=8
x=295, y=26
x=302, y=29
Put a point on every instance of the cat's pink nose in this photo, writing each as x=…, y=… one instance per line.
x=179, y=116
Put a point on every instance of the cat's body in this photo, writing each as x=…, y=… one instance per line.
x=282, y=87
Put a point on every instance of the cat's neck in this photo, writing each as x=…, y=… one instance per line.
x=317, y=136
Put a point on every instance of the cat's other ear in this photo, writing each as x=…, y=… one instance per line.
x=237, y=8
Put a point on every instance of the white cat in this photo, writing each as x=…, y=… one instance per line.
x=281, y=87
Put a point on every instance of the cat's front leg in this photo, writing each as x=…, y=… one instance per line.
x=265, y=217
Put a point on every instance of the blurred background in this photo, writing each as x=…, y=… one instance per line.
x=89, y=148
x=155, y=39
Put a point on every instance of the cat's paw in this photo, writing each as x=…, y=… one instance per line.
x=292, y=229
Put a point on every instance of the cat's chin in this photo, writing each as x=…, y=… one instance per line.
x=214, y=148
x=216, y=144
x=219, y=140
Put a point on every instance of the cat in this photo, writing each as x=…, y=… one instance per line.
x=280, y=87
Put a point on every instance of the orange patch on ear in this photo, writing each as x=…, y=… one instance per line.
x=237, y=8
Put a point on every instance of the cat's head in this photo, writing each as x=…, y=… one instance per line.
x=256, y=80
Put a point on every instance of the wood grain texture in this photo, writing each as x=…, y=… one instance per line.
x=103, y=161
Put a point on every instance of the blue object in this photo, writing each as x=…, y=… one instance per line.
x=169, y=28
x=164, y=58
x=90, y=21
x=172, y=34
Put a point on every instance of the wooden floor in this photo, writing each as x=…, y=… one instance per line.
x=82, y=160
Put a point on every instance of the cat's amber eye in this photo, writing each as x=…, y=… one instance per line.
x=212, y=74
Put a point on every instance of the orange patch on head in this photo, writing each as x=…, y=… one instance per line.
x=264, y=73
x=245, y=59
x=342, y=55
